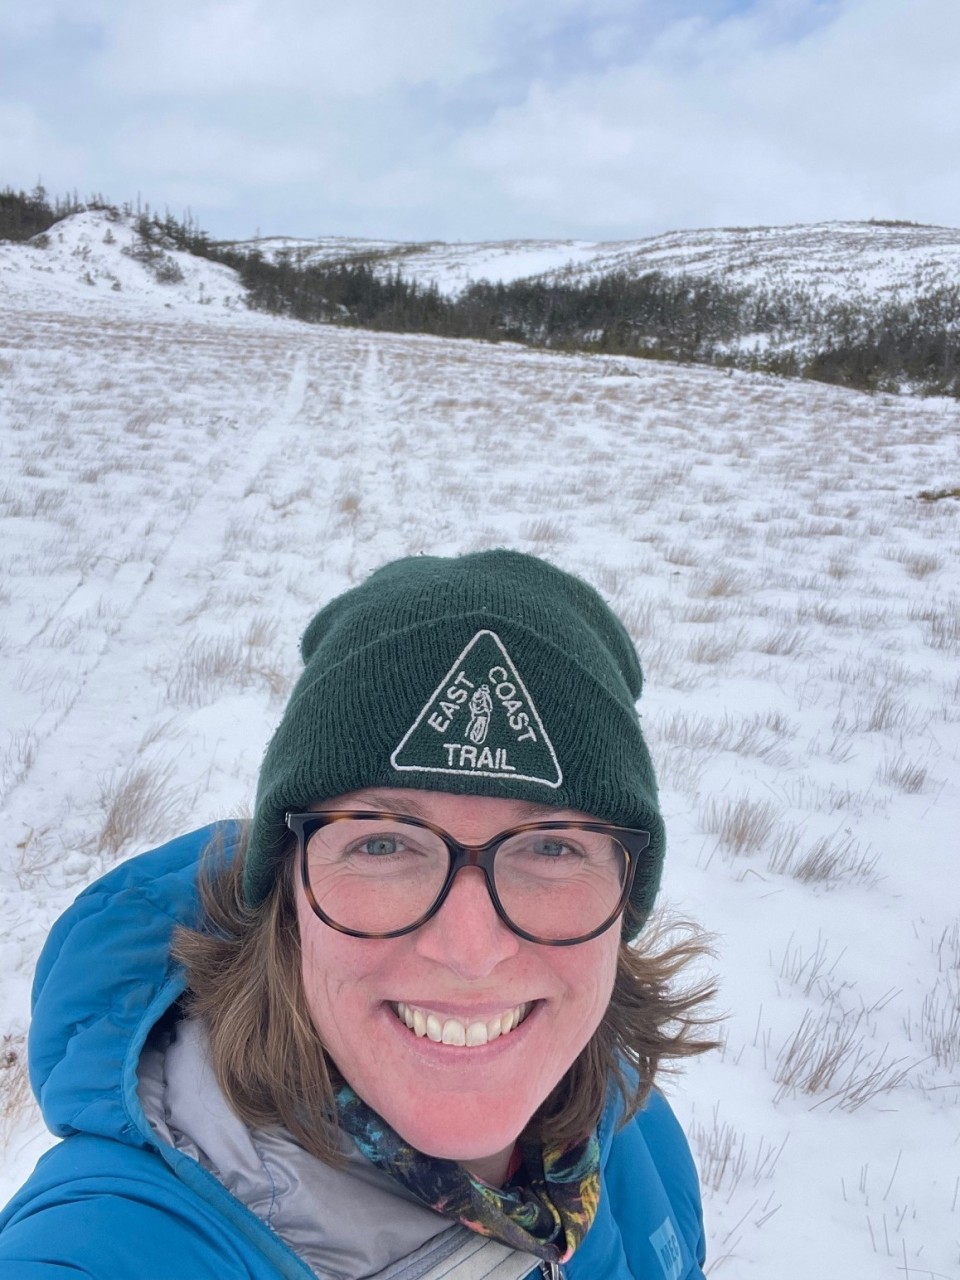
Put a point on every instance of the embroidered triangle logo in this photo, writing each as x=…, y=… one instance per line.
x=480, y=721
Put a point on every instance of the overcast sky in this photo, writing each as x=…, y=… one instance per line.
x=478, y=119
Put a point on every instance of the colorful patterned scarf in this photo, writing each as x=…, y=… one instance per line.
x=546, y=1210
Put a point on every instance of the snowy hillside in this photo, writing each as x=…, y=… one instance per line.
x=184, y=483
x=834, y=259
x=451, y=267
x=92, y=259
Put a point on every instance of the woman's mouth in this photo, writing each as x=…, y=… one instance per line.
x=465, y=1031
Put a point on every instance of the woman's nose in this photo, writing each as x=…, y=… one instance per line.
x=466, y=934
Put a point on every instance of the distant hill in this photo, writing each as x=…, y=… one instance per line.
x=833, y=259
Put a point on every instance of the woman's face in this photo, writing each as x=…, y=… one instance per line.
x=466, y=1103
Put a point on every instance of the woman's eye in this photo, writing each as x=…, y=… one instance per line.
x=381, y=846
x=552, y=848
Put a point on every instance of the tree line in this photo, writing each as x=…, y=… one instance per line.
x=24, y=215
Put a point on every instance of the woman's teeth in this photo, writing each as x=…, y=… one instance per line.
x=460, y=1031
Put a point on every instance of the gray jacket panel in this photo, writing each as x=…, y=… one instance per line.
x=349, y=1223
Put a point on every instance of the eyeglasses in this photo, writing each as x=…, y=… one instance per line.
x=379, y=875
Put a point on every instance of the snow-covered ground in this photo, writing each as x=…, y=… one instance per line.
x=183, y=486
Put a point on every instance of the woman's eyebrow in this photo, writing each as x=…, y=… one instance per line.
x=393, y=803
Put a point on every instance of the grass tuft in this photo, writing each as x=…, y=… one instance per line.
x=15, y=1093
x=722, y=1156
x=741, y=826
x=139, y=805
x=720, y=585
x=828, y=1054
x=829, y=861
x=903, y=774
x=209, y=664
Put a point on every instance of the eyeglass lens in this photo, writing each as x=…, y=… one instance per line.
x=377, y=876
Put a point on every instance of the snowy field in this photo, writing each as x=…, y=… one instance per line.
x=182, y=487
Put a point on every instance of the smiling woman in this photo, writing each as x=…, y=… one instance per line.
x=407, y=1022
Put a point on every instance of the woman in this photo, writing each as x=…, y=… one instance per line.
x=401, y=1032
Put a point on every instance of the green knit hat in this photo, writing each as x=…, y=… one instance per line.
x=494, y=674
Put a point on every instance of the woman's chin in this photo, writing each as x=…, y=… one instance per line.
x=450, y=1133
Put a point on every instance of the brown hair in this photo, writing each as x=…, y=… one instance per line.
x=244, y=980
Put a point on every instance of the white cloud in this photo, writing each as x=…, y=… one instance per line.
x=180, y=146
x=311, y=51
x=29, y=151
x=20, y=22
x=720, y=123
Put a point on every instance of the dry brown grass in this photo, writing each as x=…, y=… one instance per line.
x=759, y=735
x=640, y=618
x=785, y=642
x=807, y=529
x=940, y=1022
x=828, y=861
x=682, y=555
x=810, y=971
x=723, y=1159
x=261, y=632
x=16, y=758
x=918, y=564
x=942, y=630
x=138, y=805
x=823, y=612
x=840, y=567
x=842, y=746
x=15, y=1093
x=872, y=618
x=722, y=584
x=707, y=613
x=712, y=649
x=140, y=424
x=348, y=504
x=887, y=712
x=680, y=770
x=938, y=1027
x=608, y=580
x=47, y=502
x=209, y=664
x=938, y=495
x=829, y=1054
x=884, y=712
x=742, y=826
x=903, y=775
x=159, y=731
x=544, y=532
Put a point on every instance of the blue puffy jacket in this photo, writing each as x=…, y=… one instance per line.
x=112, y=1201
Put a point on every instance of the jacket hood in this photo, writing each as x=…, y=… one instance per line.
x=104, y=979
